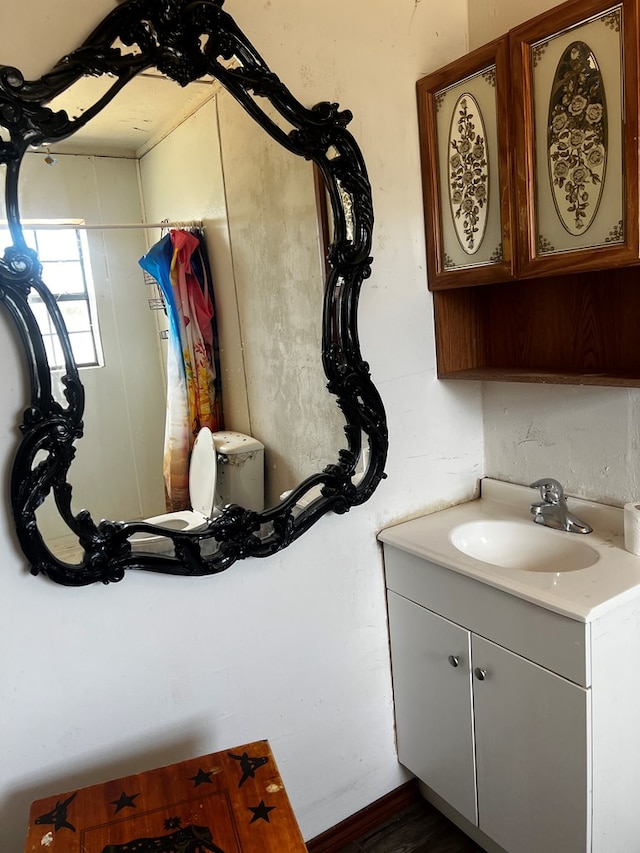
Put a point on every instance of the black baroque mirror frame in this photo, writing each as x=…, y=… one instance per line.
x=185, y=40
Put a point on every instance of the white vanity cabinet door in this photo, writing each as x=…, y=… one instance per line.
x=532, y=752
x=430, y=659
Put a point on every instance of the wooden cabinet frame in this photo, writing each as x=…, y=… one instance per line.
x=428, y=89
x=531, y=259
x=555, y=314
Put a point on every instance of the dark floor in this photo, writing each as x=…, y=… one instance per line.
x=417, y=829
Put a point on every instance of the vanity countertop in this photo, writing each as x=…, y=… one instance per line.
x=584, y=594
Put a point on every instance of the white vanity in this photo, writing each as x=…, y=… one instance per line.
x=517, y=690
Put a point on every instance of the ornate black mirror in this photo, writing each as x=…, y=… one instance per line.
x=185, y=41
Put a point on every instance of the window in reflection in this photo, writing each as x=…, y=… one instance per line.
x=66, y=271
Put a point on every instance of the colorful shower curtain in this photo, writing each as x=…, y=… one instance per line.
x=178, y=262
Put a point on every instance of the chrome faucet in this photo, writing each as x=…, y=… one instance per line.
x=552, y=510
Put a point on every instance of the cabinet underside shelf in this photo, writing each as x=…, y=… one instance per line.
x=580, y=329
x=542, y=377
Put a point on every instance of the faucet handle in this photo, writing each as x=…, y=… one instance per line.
x=551, y=491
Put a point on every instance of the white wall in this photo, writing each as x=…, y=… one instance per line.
x=257, y=203
x=124, y=414
x=273, y=225
x=489, y=19
x=588, y=438
x=182, y=180
x=102, y=681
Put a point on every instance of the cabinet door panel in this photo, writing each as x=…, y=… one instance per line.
x=433, y=701
x=532, y=753
x=465, y=155
x=576, y=134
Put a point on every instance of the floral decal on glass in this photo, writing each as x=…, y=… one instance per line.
x=577, y=138
x=468, y=173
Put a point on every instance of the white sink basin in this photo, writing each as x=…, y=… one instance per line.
x=518, y=545
x=494, y=539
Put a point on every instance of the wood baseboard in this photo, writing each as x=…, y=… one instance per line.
x=365, y=820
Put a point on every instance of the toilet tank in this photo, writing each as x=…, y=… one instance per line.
x=240, y=470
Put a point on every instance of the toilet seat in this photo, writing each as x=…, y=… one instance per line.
x=202, y=491
x=203, y=469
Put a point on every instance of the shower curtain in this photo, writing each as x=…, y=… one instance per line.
x=178, y=262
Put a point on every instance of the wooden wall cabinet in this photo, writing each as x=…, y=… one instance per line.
x=463, y=112
x=559, y=305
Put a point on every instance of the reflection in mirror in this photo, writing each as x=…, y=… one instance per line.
x=283, y=335
x=261, y=226
x=274, y=240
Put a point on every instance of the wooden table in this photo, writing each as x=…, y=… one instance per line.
x=226, y=802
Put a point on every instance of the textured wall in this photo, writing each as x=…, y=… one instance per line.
x=489, y=19
x=258, y=204
x=588, y=438
x=102, y=681
x=273, y=227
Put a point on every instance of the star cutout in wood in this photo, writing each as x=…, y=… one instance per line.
x=201, y=778
x=173, y=823
x=124, y=801
x=260, y=812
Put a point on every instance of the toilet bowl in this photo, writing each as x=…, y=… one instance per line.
x=202, y=492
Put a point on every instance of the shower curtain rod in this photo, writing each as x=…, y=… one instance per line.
x=109, y=226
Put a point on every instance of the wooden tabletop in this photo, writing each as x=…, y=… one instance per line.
x=226, y=802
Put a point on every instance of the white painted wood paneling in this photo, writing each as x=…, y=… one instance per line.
x=125, y=410
x=616, y=730
x=549, y=639
x=533, y=754
x=433, y=701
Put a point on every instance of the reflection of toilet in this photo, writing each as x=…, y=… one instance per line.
x=225, y=467
x=202, y=491
x=240, y=470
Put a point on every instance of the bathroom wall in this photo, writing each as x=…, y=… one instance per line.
x=258, y=207
x=102, y=681
x=124, y=415
x=279, y=276
x=588, y=438
x=489, y=19
x=181, y=179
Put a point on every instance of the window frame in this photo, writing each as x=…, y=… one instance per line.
x=86, y=295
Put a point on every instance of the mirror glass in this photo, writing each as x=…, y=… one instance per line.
x=257, y=205
x=108, y=165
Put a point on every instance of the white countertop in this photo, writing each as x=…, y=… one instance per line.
x=583, y=594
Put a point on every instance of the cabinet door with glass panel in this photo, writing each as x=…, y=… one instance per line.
x=464, y=142
x=575, y=75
